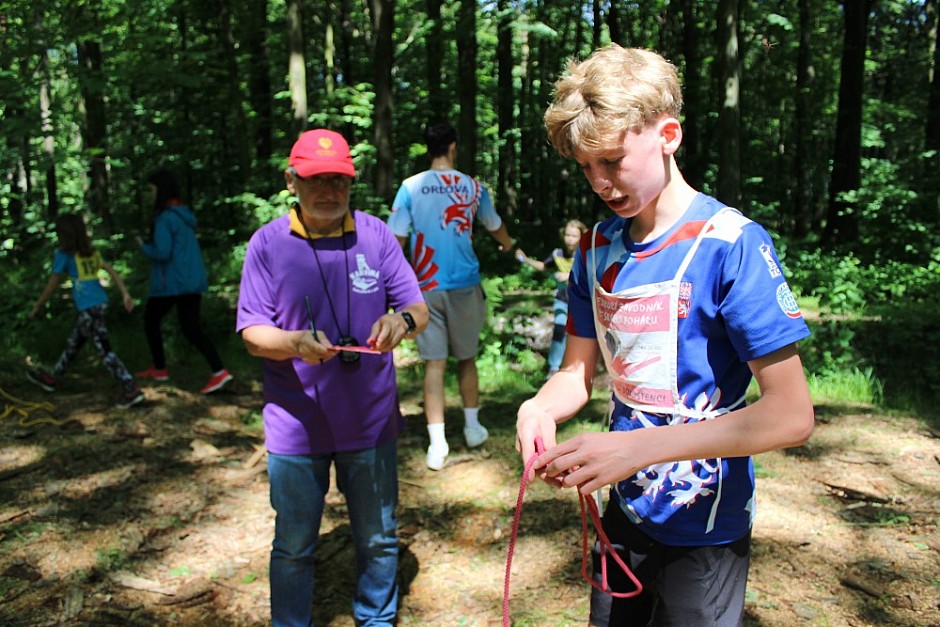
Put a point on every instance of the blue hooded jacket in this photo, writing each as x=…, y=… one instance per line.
x=177, y=266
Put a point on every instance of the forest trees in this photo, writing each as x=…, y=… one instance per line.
x=819, y=119
x=794, y=110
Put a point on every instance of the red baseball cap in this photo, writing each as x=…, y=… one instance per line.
x=321, y=152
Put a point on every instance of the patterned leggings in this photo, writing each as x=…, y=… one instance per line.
x=90, y=325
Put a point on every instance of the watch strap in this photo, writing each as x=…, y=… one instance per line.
x=409, y=320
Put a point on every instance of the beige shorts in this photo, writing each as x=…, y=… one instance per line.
x=456, y=320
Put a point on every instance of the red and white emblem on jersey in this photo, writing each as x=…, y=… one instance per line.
x=787, y=302
x=685, y=299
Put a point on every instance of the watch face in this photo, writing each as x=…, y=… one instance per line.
x=409, y=320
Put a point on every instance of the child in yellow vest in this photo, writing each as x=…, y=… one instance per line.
x=76, y=258
x=560, y=260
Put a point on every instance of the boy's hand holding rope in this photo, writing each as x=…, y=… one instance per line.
x=588, y=506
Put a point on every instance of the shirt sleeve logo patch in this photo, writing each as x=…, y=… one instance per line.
x=787, y=302
x=772, y=266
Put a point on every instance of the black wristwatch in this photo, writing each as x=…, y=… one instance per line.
x=410, y=321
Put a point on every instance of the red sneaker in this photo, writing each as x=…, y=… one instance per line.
x=153, y=373
x=41, y=378
x=217, y=381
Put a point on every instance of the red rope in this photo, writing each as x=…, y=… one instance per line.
x=588, y=506
x=515, y=529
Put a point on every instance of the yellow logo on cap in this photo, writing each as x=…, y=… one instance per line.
x=325, y=142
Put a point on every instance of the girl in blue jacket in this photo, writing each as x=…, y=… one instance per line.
x=177, y=277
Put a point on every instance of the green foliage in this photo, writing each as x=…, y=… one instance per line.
x=846, y=387
x=111, y=559
x=834, y=282
x=508, y=356
x=891, y=229
x=894, y=281
x=253, y=420
x=262, y=210
x=181, y=89
x=900, y=341
x=762, y=472
x=876, y=334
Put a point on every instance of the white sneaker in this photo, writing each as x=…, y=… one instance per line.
x=437, y=457
x=475, y=435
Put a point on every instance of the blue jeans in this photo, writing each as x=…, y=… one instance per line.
x=369, y=481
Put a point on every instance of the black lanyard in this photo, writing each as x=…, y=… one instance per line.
x=326, y=291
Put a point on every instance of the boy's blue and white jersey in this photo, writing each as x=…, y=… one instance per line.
x=734, y=306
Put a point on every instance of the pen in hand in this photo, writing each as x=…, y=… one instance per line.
x=310, y=319
x=313, y=324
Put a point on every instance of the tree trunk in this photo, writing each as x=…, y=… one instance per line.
x=598, y=21
x=238, y=155
x=933, y=102
x=184, y=98
x=693, y=166
x=346, y=69
x=528, y=112
x=804, y=196
x=296, y=69
x=11, y=112
x=842, y=218
x=259, y=91
x=16, y=179
x=48, y=140
x=506, y=196
x=729, y=116
x=932, y=140
x=329, y=57
x=383, y=16
x=613, y=25
x=437, y=103
x=578, y=29
x=92, y=81
x=467, y=85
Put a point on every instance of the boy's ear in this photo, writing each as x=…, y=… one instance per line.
x=671, y=131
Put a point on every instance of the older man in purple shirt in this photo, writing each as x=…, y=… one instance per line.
x=326, y=294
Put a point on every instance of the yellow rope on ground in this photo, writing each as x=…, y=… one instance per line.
x=17, y=406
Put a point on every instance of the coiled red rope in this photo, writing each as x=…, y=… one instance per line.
x=588, y=506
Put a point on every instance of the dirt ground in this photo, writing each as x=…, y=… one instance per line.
x=158, y=515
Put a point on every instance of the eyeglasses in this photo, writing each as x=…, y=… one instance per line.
x=337, y=182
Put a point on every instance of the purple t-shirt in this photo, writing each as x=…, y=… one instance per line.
x=318, y=409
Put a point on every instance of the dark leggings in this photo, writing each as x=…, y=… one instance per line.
x=187, y=310
x=90, y=326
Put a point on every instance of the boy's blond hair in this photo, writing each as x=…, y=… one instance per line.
x=613, y=91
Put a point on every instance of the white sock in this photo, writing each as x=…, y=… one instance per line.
x=471, y=416
x=436, y=433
